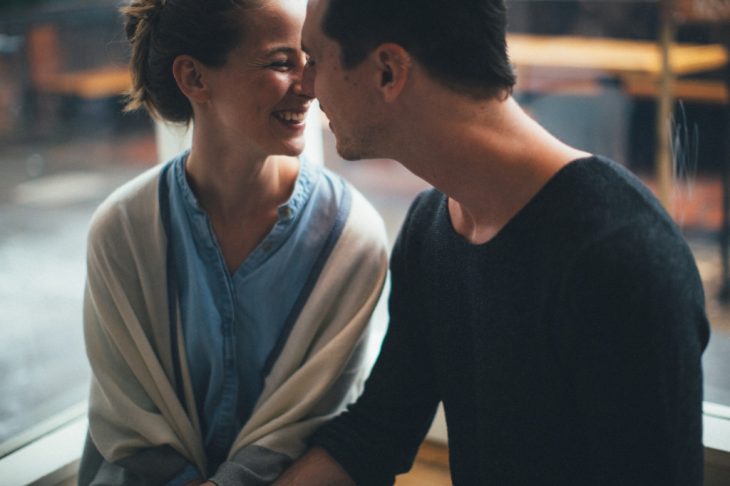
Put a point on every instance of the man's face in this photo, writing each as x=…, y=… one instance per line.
x=344, y=95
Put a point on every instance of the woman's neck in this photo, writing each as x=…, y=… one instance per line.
x=241, y=198
x=230, y=188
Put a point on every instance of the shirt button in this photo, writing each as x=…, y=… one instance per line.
x=285, y=212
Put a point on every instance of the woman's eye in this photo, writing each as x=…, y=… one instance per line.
x=281, y=65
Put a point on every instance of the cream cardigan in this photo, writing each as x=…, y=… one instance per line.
x=133, y=401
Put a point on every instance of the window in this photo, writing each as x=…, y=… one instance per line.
x=64, y=145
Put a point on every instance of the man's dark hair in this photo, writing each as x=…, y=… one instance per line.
x=460, y=43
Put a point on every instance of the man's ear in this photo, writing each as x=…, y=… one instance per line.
x=393, y=68
x=188, y=73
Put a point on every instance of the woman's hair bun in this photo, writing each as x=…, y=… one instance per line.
x=141, y=14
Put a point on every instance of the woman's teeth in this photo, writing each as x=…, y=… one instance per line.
x=291, y=116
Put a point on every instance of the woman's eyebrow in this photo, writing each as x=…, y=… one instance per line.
x=280, y=49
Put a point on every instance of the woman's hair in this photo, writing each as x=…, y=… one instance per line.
x=161, y=30
x=462, y=44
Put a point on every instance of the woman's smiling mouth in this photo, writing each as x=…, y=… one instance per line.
x=291, y=117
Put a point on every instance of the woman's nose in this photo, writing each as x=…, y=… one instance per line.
x=305, y=84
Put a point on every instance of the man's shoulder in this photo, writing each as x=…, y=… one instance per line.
x=623, y=242
x=595, y=198
x=614, y=187
x=425, y=207
x=422, y=228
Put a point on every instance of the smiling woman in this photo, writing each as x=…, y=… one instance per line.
x=229, y=291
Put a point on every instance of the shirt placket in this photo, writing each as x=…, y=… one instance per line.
x=225, y=417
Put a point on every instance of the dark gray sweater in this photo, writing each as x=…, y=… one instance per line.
x=566, y=350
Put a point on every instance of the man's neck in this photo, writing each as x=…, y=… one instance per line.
x=489, y=162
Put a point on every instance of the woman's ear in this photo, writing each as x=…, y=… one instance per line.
x=188, y=73
x=393, y=69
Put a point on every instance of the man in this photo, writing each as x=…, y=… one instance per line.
x=541, y=293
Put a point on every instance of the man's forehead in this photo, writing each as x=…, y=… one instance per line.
x=315, y=10
x=313, y=22
x=316, y=4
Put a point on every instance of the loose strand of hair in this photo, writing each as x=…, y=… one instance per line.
x=138, y=27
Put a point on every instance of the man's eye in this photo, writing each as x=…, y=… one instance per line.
x=310, y=61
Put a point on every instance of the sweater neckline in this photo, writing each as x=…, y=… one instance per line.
x=522, y=215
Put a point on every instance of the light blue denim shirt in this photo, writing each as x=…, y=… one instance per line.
x=234, y=325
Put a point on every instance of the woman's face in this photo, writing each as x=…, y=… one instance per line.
x=256, y=98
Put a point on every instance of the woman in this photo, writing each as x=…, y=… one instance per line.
x=230, y=290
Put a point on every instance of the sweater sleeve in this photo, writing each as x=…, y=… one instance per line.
x=251, y=466
x=378, y=436
x=634, y=357
x=161, y=465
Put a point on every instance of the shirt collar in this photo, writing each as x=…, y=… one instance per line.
x=287, y=214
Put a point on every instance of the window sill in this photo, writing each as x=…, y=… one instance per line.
x=716, y=426
x=50, y=459
x=54, y=457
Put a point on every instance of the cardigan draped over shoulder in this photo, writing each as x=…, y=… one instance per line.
x=141, y=402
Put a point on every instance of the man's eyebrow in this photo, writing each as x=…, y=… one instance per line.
x=305, y=48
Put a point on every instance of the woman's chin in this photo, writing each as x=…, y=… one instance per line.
x=293, y=148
